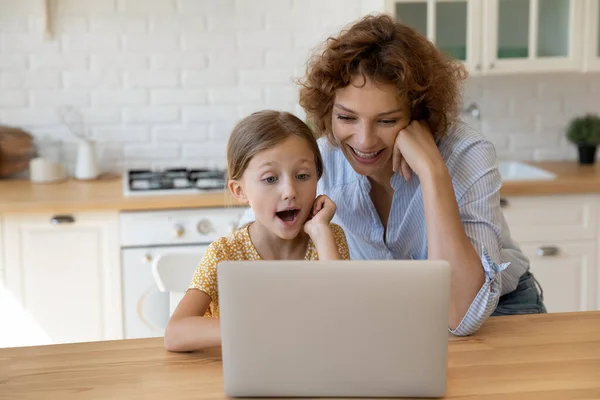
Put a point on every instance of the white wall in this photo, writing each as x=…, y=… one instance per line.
x=161, y=82
x=526, y=116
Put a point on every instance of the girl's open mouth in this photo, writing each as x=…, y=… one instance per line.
x=288, y=217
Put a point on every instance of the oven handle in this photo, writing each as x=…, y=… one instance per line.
x=140, y=312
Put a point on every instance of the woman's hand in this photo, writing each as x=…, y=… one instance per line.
x=415, y=150
x=321, y=214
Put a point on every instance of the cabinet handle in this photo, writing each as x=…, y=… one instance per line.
x=503, y=202
x=547, y=251
x=62, y=219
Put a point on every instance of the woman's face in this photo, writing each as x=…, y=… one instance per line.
x=365, y=121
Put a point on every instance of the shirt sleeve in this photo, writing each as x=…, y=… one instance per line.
x=205, y=276
x=482, y=219
x=340, y=240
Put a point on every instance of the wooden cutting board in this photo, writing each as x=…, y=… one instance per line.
x=16, y=149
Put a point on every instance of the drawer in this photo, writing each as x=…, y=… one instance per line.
x=566, y=272
x=551, y=218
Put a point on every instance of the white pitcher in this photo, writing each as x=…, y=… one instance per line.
x=87, y=166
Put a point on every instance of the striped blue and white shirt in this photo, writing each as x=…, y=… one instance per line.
x=471, y=161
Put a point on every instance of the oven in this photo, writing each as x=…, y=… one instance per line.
x=145, y=235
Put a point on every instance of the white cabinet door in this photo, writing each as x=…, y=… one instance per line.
x=566, y=271
x=65, y=272
x=558, y=235
x=454, y=26
x=544, y=218
x=532, y=36
x=591, y=36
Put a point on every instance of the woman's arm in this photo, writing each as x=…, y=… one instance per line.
x=447, y=240
x=446, y=236
x=187, y=329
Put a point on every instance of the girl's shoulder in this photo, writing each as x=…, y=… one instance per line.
x=235, y=246
x=337, y=230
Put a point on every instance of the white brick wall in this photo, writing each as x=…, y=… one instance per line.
x=162, y=82
x=526, y=116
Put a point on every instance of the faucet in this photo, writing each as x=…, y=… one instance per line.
x=473, y=110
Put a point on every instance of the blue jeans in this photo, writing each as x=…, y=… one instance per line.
x=525, y=299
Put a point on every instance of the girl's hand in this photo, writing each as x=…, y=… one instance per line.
x=415, y=150
x=321, y=214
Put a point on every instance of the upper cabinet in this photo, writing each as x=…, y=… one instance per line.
x=532, y=35
x=454, y=26
x=508, y=36
x=592, y=36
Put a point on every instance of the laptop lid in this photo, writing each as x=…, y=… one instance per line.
x=334, y=328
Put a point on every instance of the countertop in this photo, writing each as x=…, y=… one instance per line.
x=544, y=356
x=21, y=196
x=571, y=178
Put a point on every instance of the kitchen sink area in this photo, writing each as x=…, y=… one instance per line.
x=520, y=171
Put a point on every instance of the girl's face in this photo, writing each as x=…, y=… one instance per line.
x=365, y=121
x=280, y=184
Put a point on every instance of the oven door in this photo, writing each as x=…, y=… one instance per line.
x=145, y=307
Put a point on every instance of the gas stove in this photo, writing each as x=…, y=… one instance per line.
x=146, y=182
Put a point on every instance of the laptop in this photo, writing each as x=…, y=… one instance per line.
x=334, y=328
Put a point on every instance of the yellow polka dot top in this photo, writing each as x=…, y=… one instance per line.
x=239, y=247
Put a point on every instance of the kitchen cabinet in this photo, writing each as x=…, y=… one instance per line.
x=559, y=236
x=566, y=272
x=65, y=272
x=532, y=35
x=592, y=35
x=501, y=36
x=453, y=26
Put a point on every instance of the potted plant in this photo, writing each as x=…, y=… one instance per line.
x=584, y=132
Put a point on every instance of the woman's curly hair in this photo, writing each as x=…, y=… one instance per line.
x=380, y=49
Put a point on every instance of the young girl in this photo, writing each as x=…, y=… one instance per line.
x=274, y=164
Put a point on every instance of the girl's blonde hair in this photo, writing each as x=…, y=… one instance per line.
x=264, y=130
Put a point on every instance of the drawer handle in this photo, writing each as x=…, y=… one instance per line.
x=547, y=251
x=503, y=202
x=62, y=219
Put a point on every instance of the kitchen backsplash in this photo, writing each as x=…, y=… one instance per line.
x=162, y=82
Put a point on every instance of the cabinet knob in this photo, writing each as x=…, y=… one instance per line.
x=478, y=67
x=178, y=231
x=503, y=202
x=491, y=65
x=62, y=219
x=204, y=227
x=547, y=251
x=148, y=258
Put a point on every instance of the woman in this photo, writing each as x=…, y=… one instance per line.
x=409, y=180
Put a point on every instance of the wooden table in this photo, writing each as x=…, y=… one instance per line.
x=552, y=356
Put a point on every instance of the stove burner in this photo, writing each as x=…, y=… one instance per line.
x=176, y=179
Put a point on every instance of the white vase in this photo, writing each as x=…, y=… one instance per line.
x=86, y=167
